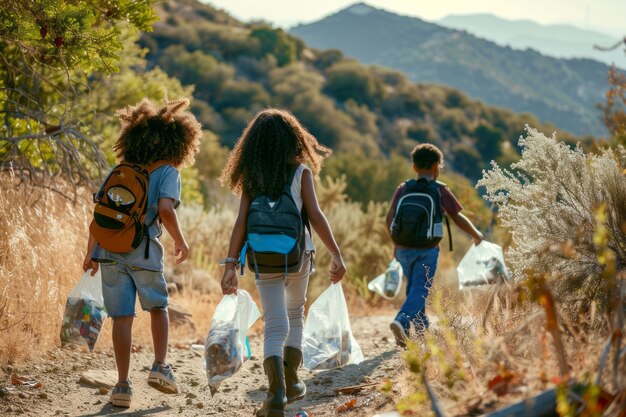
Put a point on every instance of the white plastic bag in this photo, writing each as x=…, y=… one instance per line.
x=328, y=342
x=482, y=265
x=388, y=283
x=84, y=312
x=226, y=346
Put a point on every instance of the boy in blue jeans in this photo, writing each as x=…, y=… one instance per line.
x=419, y=262
x=163, y=139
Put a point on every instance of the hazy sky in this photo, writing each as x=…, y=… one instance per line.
x=605, y=15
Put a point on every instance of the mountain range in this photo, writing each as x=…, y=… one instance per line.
x=566, y=92
x=563, y=41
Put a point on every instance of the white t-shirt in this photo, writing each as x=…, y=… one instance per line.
x=296, y=193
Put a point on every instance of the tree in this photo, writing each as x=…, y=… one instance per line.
x=276, y=42
x=50, y=49
x=351, y=80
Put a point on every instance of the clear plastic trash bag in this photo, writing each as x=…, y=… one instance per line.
x=482, y=265
x=328, y=341
x=226, y=346
x=388, y=283
x=84, y=313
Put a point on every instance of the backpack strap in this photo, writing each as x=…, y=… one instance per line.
x=441, y=185
x=158, y=164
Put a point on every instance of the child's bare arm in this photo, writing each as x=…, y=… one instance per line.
x=468, y=227
x=230, y=281
x=322, y=228
x=88, y=263
x=170, y=221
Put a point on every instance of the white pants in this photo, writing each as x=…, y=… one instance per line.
x=282, y=300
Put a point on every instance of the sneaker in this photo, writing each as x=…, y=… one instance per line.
x=398, y=331
x=162, y=378
x=122, y=394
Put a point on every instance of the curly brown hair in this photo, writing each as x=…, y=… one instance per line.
x=425, y=155
x=150, y=134
x=271, y=146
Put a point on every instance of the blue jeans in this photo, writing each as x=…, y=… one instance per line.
x=419, y=267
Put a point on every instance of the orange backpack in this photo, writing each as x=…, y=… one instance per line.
x=119, y=216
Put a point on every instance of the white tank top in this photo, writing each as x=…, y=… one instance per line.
x=296, y=192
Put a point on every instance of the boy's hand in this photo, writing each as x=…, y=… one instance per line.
x=230, y=281
x=181, y=251
x=88, y=264
x=337, y=268
x=478, y=238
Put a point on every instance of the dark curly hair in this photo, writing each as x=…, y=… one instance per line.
x=425, y=155
x=272, y=145
x=149, y=134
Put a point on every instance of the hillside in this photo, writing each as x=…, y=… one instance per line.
x=564, y=41
x=565, y=92
x=367, y=114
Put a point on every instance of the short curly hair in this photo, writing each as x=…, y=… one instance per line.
x=273, y=144
x=150, y=134
x=425, y=155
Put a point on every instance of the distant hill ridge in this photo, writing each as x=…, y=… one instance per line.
x=559, y=40
x=563, y=91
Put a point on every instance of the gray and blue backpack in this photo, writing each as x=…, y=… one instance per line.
x=418, y=218
x=275, y=236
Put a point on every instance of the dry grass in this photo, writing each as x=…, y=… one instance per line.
x=42, y=241
x=484, y=335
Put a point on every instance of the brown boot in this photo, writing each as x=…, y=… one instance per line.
x=274, y=404
x=296, y=389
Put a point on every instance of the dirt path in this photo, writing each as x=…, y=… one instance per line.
x=63, y=392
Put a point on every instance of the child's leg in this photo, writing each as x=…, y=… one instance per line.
x=119, y=292
x=271, y=289
x=295, y=292
x=160, y=323
x=122, y=341
x=153, y=297
x=421, y=266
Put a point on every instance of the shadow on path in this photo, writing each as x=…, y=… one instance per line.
x=108, y=410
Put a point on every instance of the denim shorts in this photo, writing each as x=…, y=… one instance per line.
x=122, y=283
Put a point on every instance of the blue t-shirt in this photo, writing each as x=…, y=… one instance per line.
x=164, y=183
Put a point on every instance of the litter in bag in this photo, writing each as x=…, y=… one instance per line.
x=226, y=346
x=84, y=312
x=482, y=265
x=389, y=282
x=328, y=341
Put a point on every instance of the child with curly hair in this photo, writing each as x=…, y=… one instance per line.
x=163, y=140
x=274, y=149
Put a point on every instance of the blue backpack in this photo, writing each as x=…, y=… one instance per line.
x=275, y=236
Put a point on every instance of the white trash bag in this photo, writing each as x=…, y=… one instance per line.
x=226, y=346
x=327, y=341
x=84, y=312
x=388, y=283
x=482, y=265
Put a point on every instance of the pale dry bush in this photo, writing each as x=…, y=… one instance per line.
x=493, y=334
x=549, y=200
x=43, y=237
